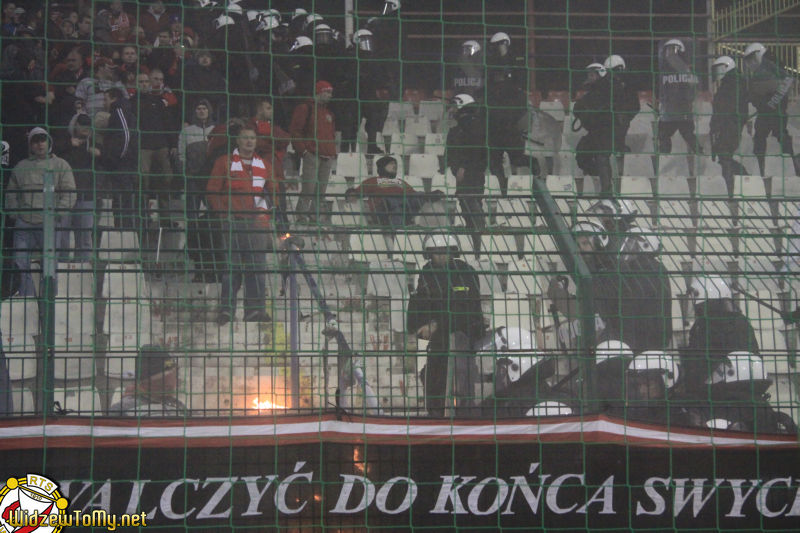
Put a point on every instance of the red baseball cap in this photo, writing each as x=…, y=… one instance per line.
x=323, y=85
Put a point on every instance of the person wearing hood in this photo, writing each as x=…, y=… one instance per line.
x=389, y=200
x=25, y=201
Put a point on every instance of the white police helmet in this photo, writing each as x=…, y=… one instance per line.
x=462, y=100
x=549, y=408
x=222, y=21
x=722, y=65
x=440, y=242
x=590, y=227
x=611, y=349
x=657, y=360
x=515, y=350
x=390, y=6
x=597, y=68
x=754, y=53
x=300, y=42
x=738, y=367
x=677, y=44
x=614, y=62
x=709, y=288
x=470, y=48
x=500, y=37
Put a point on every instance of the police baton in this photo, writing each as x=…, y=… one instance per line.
x=786, y=316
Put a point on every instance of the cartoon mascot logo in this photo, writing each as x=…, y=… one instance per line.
x=28, y=503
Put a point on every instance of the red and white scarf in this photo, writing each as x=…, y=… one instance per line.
x=258, y=175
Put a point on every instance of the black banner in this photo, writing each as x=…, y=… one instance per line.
x=576, y=481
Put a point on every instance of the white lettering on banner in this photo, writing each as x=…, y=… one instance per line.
x=205, y=498
x=530, y=497
x=224, y=487
x=475, y=494
x=552, y=493
x=383, y=495
x=607, y=490
x=368, y=494
x=738, y=499
x=254, y=494
x=104, y=492
x=763, y=495
x=450, y=493
x=795, y=510
x=658, y=500
x=696, y=495
x=280, y=494
x=169, y=492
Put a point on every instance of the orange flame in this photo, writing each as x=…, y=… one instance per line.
x=266, y=404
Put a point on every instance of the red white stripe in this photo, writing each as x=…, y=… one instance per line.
x=267, y=431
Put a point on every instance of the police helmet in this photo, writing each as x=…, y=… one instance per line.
x=739, y=367
x=390, y=6
x=462, y=100
x=222, y=21
x=709, y=288
x=676, y=45
x=514, y=350
x=597, y=68
x=656, y=360
x=610, y=350
x=722, y=65
x=470, y=48
x=754, y=53
x=300, y=42
x=363, y=40
x=584, y=227
x=440, y=242
x=549, y=408
x=614, y=62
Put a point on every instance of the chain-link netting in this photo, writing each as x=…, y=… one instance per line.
x=348, y=264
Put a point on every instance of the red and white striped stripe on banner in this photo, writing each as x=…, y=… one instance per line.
x=269, y=431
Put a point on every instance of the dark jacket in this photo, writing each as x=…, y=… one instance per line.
x=729, y=115
x=718, y=330
x=156, y=122
x=635, y=302
x=121, y=140
x=769, y=86
x=451, y=297
x=466, y=146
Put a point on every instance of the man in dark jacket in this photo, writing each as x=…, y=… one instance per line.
x=507, y=101
x=445, y=310
x=677, y=90
x=467, y=157
x=768, y=89
x=605, y=111
x=719, y=329
x=730, y=113
x=630, y=287
x=120, y=158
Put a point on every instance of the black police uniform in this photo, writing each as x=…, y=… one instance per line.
x=729, y=115
x=466, y=148
x=507, y=101
x=768, y=90
x=450, y=296
x=717, y=331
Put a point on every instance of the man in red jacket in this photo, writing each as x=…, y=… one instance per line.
x=271, y=145
x=390, y=201
x=241, y=193
x=313, y=132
